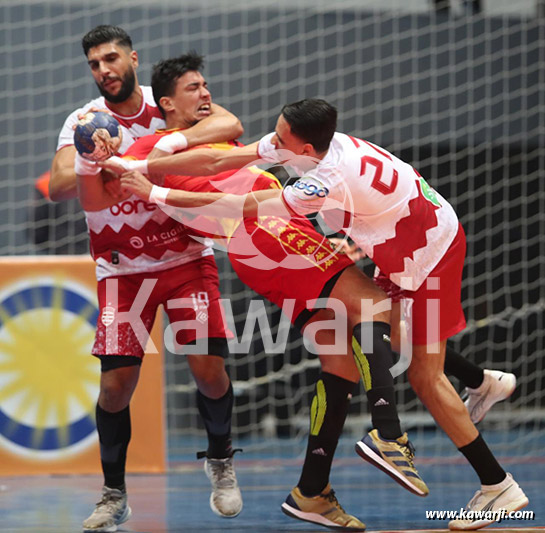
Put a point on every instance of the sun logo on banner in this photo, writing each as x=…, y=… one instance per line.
x=48, y=380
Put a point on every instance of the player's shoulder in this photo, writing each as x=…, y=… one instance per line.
x=147, y=93
x=340, y=161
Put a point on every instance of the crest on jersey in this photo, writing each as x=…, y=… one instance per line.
x=108, y=316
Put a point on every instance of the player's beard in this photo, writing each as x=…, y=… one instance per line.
x=127, y=87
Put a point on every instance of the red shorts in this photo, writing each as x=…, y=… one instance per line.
x=287, y=262
x=434, y=311
x=196, y=282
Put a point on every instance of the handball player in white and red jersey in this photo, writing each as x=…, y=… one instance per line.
x=133, y=242
x=410, y=232
x=283, y=258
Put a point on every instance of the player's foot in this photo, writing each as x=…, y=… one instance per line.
x=109, y=512
x=393, y=457
x=324, y=510
x=225, y=499
x=491, y=500
x=496, y=386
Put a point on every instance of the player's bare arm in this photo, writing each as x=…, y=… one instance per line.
x=94, y=194
x=219, y=126
x=204, y=162
x=198, y=162
x=62, y=184
x=265, y=202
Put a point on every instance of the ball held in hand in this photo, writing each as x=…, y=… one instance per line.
x=97, y=136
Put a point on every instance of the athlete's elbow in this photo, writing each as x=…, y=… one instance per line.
x=60, y=194
x=238, y=129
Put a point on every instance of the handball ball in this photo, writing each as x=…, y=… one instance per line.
x=97, y=136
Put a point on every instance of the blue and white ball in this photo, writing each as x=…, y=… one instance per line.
x=97, y=136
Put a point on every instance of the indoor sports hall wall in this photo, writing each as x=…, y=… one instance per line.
x=458, y=94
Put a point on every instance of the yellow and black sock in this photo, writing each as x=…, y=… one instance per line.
x=327, y=415
x=374, y=358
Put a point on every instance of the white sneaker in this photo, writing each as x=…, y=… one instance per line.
x=496, y=386
x=225, y=499
x=109, y=512
x=490, y=501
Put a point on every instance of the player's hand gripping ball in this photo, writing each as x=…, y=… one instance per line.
x=97, y=136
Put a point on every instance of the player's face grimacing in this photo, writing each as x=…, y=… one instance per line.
x=113, y=67
x=192, y=100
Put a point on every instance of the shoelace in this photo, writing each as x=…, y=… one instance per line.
x=224, y=475
x=333, y=499
x=408, y=451
x=109, y=501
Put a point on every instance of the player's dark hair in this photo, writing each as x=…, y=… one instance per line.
x=105, y=34
x=165, y=74
x=312, y=120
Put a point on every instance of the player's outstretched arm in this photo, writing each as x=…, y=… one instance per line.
x=198, y=162
x=204, y=162
x=220, y=205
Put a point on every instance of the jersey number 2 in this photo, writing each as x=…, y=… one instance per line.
x=377, y=183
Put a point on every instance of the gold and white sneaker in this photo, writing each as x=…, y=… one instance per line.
x=489, y=503
x=394, y=457
x=323, y=509
x=496, y=386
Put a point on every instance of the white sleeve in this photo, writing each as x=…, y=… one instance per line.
x=307, y=195
x=267, y=151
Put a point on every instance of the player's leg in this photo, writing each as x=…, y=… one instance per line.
x=484, y=387
x=113, y=420
x=498, y=489
x=386, y=446
x=120, y=370
x=297, y=283
x=437, y=314
x=313, y=499
x=201, y=336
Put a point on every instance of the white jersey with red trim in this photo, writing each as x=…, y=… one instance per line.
x=135, y=236
x=386, y=207
x=144, y=122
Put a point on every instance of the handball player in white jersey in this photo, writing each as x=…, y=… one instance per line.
x=410, y=232
x=113, y=64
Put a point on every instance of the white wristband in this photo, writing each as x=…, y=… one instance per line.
x=84, y=167
x=140, y=165
x=158, y=195
x=266, y=150
x=172, y=143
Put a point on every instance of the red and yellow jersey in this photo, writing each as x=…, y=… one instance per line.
x=280, y=257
